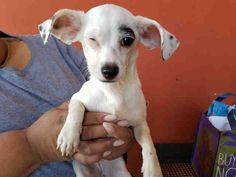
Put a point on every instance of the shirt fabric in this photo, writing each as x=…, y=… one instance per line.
x=54, y=73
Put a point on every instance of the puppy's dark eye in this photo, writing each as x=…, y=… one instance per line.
x=126, y=41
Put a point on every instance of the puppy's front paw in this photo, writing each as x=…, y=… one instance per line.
x=68, y=139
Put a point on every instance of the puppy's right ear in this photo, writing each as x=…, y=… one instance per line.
x=64, y=25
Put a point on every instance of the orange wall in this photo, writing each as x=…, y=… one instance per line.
x=179, y=89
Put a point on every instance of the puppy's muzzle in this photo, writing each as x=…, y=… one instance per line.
x=109, y=71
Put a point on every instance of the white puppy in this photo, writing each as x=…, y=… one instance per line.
x=109, y=35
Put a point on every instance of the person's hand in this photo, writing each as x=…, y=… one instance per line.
x=42, y=137
x=103, y=137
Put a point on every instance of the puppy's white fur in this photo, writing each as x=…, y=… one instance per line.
x=100, y=31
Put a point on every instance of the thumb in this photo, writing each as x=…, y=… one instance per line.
x=64, y=105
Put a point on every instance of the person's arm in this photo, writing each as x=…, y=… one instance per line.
x=16, y=156
x=23, y=151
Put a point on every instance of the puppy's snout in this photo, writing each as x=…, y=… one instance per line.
x=110, y=71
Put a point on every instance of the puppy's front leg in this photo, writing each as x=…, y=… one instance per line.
x=69, y=137
x=151, y=166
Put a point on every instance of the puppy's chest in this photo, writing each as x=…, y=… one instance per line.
x=129, y=105
x=118, y=105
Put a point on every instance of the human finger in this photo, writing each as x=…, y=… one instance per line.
x=84, y=159
x=94, y=118
x=119, y=150
x=95, y=147
x=64, y=105
x=121, y=133
x=93, y=132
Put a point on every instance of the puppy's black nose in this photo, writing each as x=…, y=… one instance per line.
x=109, y=71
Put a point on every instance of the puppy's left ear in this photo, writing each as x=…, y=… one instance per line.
x=153, y=35
x=65, y=25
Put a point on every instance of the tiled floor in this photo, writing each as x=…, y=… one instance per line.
x=177, y=170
